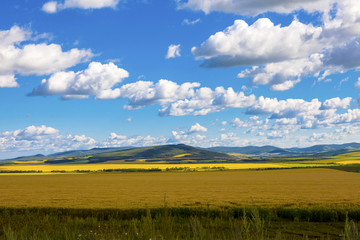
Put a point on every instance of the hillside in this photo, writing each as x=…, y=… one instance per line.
x=79, y=153
x=317, y=150
x=181, y=153
x=155, y=154
x=167, y=153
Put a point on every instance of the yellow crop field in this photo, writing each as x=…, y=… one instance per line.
x=30, y=162
x=291, y=187
x=346, y=158
x=349, y=162
x=95, y=167
x=182, y=155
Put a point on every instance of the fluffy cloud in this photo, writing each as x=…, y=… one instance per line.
x=345, y=23
x=197, y=128
x=180, y=136
x=19, y=56
x=53, y=6
x=173, y=51
x=31, y=133
x=261, y=42
x=245, y=7
x=142, y=93
x=288, y=108
x=336, y=103
x=100, y=79
x=278, y=134
x=206, y=101
x=115, y=140
x=40, y=138
x=305, y=50
x=346, y=55
x=8, y=81
x=91, y=81
x=284, y=75
x=296, y=114
x=251, y=122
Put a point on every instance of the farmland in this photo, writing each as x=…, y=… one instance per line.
x=48, y=168
x=245, y=204
x=291, y=187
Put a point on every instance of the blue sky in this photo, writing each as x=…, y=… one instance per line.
x=78, y=74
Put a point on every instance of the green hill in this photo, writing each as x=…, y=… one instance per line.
x=167, y=153
x=271, y=151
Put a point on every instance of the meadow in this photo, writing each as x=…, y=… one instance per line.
x=311, y=203
x=290, y=187
x=179, y=223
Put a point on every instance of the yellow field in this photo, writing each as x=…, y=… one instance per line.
x=349, y=162
x=346, y=158
x=29, y=162
x=182, y=155
x=94, y=167
x=295, y=187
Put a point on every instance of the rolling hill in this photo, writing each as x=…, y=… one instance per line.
x=165, y=153
x=317, y=150
x=181, y=153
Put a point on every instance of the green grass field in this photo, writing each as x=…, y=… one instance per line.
x=179, y=223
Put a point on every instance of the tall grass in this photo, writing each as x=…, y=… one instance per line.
x=168, y=223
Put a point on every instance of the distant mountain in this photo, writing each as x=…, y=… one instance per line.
x=29, y=158
x=327, y=148
x=317, y=150
x=79, y=153
x=167, y=153
x=250, y=150
x=183, y=153
x=68, y=154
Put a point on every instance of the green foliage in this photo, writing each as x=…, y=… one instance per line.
x=167, y=223
x=351, y=230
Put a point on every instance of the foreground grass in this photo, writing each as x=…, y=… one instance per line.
x=180, y=223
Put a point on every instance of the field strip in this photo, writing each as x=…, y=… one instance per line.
x=96, y=167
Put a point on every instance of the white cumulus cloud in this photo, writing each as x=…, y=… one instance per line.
x=281, y=56
x=116, y=140
x=8, y=81
x=206, y=100
x=261, y=42
x=54, y=6
x=37, y=139
x=173, y=51
x=252, y=8
x=144, y=93
x=197, y=128
x=18, y=55
x=91, y=81
x=284, y=75
x=336, y=103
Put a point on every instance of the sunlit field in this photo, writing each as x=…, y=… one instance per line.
x=347, y=158
x=96, y=167
x=290, y=187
